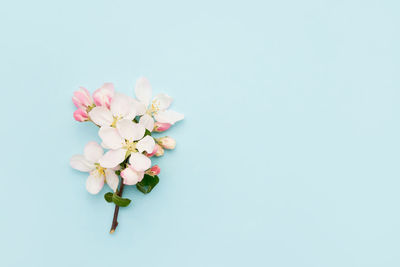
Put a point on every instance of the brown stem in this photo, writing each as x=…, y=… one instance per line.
x=116, y=210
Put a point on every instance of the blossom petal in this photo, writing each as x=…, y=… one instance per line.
x=140, y=108
x=112, y=158
x=143, y=91
x=147, y=121
x=132, y=109
x=146, y=144
x=126, y=128
x=111, y=137
x=139, y=162
x=94, y=182
x=93, y=152
x=105, y=146
x=131, y=176
x=101, y=116
x=139, y=132
x=111, y=179
x=80, y=163
x=168, y=116
x=162, y=101
x=130, y=130
x=120, y=105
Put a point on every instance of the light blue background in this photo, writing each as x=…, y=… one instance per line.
x=288, y=156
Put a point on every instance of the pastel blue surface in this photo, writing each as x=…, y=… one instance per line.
x=288, y=155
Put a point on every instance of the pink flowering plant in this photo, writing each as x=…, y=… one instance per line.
x=126, y=125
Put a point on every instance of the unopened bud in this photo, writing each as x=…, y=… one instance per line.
x=160, y=151
x=104, y=95
x=81, y=115
x=161, y=126
x=153, y=171
x=166, y=142
x=82, y=98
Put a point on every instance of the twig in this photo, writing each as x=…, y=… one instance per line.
x=116, y=210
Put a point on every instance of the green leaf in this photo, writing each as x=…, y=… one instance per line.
x=147, y=184
x=119, y=201
x=147, y=133
x=108, y=197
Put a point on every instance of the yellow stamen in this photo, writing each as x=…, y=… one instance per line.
x=114, y=123
x=130, y=146
x=100, y=169
x=154, y=108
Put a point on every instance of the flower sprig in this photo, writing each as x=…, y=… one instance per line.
x=125, y=126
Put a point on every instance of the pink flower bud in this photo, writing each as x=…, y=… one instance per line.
x=82, y=98
x=104, y=95
x=166, y=142
x=161, y=127
x=153, y=171
x=160, y=151
x=153, y=152
x=81, y=115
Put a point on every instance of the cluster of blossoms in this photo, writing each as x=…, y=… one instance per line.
x=125, y=126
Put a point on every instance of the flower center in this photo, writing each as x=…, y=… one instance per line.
x=130, y=147
x=100, y=169
x=154, y=108
x=115, y=120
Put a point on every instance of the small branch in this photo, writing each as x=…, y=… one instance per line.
x=116, y=210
